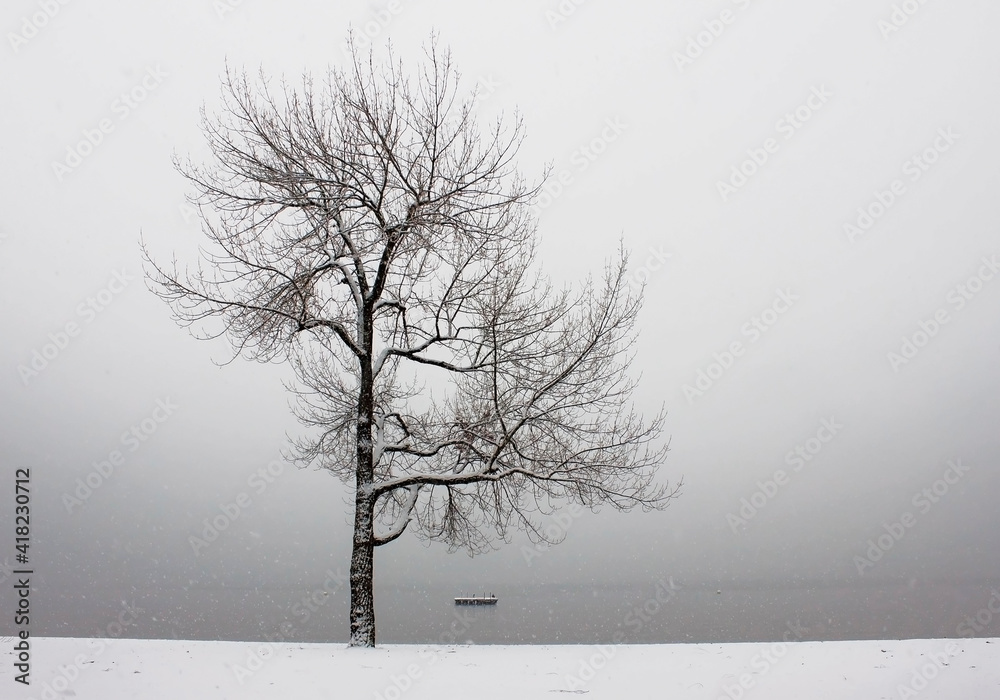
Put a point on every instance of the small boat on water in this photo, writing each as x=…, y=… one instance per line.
x=476, y=600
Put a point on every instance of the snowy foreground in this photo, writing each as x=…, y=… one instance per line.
x=82, y=669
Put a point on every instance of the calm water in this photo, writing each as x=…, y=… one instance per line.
x=535, y=614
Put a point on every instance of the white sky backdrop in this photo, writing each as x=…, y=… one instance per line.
x=655, y=186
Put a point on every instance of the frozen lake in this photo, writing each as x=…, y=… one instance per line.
x=536, y=614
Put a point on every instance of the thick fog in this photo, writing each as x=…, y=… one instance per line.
x=807, y=190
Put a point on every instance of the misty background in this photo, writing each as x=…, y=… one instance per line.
x=830, y=103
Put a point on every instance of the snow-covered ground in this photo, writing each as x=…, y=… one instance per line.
x=94, y=669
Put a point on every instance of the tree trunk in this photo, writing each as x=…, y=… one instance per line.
x=362, y=576
x=363, y=554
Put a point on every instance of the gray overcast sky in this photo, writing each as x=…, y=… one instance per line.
x=827, y=107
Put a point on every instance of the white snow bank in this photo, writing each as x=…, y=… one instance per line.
x=102, y=669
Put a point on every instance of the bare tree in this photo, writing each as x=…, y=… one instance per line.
x=366, y=231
